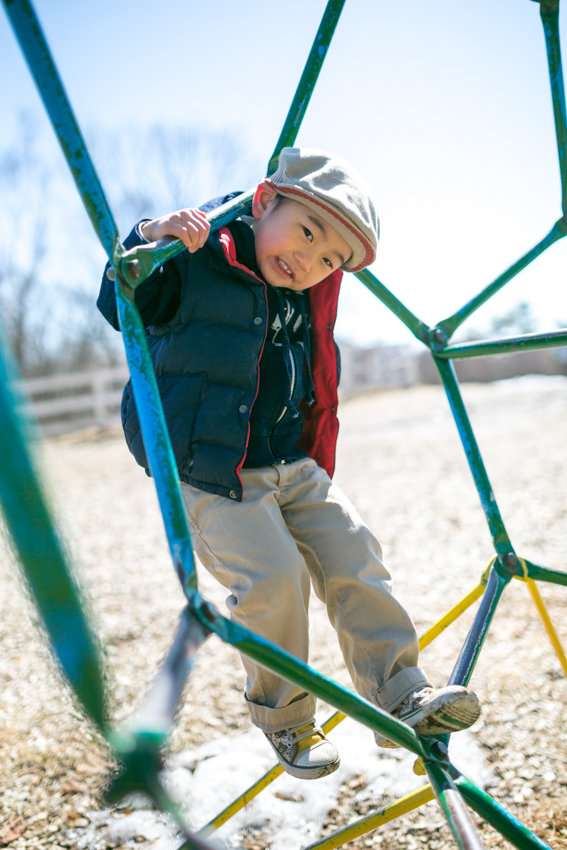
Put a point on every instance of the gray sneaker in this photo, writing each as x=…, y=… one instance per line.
x=436, y=712
x=303, y=751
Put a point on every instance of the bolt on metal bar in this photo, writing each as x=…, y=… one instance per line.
x=156, y=440
x=42, y=553
x=279, y=661
x=549, y=11
x=418, y=328
x=507, y=825
x=526, y=342
x=474, y=641
x=38, y=56
x=491, y=511
x=308, y=80
x=451, y=324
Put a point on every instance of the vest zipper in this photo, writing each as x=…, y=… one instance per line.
x=291, y=385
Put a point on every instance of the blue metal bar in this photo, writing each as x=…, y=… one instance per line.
x=474, y=641
x=32, y=41
x=153, y=721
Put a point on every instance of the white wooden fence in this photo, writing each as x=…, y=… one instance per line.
x=77, y=400
x=71, y=402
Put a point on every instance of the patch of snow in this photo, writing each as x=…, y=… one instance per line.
x=206, y=779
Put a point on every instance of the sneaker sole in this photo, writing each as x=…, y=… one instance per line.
x=441, y=716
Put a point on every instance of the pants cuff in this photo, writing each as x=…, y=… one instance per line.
x=278, y=719
x=399, y=687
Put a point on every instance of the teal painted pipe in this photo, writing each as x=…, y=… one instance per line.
x=308, y=79
x=483, y=348
x=543, y=574
x=450, y=325
x=506, y=824
x=285, y=665
x=491, y=511
x=418, y=328
x=42, y=553
x=549, y=10
x=156, y=441
x=138, y=263
x=30, y=36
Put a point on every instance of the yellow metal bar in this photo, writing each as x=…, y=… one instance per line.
x=370, y=822
x=456, y=611
x=240, y=802
x=552, y=634
x=338, y=716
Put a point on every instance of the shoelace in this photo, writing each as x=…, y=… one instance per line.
x=291, y=738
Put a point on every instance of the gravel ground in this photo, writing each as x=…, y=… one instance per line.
x=401, y=463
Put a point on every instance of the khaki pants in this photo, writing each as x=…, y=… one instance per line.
x=294, y=528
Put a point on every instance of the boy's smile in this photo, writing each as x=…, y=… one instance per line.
x=295, y=248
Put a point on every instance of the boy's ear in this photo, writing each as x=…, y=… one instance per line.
x=263, y=197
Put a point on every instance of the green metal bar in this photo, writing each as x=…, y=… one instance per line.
x=42, y=553
x=526, y=342
x=543, y=574
x=450, y=324
x=418, y=328
x=452, y=806
x=507, y=825
x=139, y=262
x=30, y=36
x=549, y=10
x=156, y=440
x=285, y=665
x=308, y=79
x=495, y=523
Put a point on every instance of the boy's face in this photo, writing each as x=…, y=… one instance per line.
x=295, y=248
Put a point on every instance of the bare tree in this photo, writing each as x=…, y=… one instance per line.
x=50, y=259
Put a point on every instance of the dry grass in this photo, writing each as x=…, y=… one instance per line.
x=402, y=464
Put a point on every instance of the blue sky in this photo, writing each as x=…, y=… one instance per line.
x=443, y=106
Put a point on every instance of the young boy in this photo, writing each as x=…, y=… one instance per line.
x=240, y=329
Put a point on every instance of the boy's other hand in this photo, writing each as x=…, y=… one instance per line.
x=190, y=226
